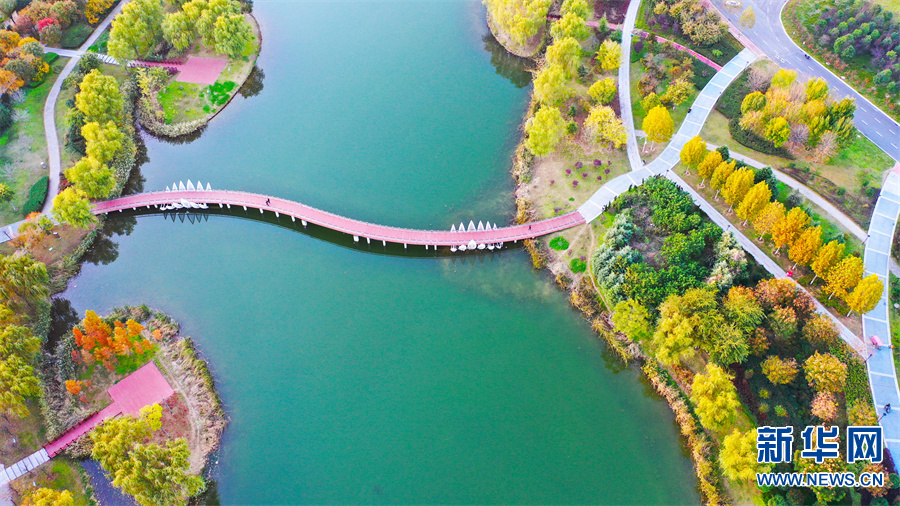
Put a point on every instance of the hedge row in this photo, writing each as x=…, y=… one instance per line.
x=753, y=141
x=36, y=196
x=729, y=103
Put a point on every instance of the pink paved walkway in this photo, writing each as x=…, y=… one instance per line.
x=695, y=54
x=350, y=226
x=141, y=388
x=196, y=69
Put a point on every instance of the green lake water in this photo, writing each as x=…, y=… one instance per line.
x=354, y=376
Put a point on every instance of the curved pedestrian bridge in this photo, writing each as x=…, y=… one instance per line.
x=462, y=238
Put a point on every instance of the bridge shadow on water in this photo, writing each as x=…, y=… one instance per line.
x=199, y=217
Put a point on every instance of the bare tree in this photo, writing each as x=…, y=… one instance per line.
x=760, y=78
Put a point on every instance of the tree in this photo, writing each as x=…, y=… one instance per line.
x=720, y=175
x=602, y=125
x=737, y=185
x=728, y=345
x=71, y=206
x=136, y=29
x=609, y=56
x=783, y=322
x=9, y=81
x=784, y=78
x=544, y=130
x=232, y=33
x=603, y=90
x=780, y=371
x=820, y=331
x=787, y=229
x=49, y=497
x=693, y=152
x=826, y=258
x=102, y=142
x=771, y=214
x=824, y=406
x=715, y=398
x=845, y=275
x=866, y=295
x=91, y=177
x=738, y=456
x=778, y=131
x=632, y=319
x=178, y=30
x=93, y=9
x=742, y=309
x=151, y=473
x=748, y=18
x=753, y=102
x=825, y=372
x=579, y=8
x=804, y=249
x=570, y=25
x=677, y=91
x=550, y=85
x=566, y=53
x=650, y=101
x=99, y=99
x=816, y=90
x=157, y=475
x=23, y=282
x=754, y=202
x=17, y=382
x=19, y=341
x=658, y=125
x=685, y=321
x=709, y=164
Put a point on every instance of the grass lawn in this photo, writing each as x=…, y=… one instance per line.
x=75, y=35
x=894, y=298
x=182, y=102
x=890, y=5
x=23, y=148
x=803, y=275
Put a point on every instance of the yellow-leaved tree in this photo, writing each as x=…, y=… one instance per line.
x=738, y=456
x=754, y=202
x=844, y=276
x=693, y=152
x=767, y=218
x=826, y=258
x=658, y=124
x=602, y=125
x=609, y=56
x=737, y=185
x=706, y=168
x=803, y=250
x=787, y=229
x=715, y=398
x=544, y=130
x=866, y=294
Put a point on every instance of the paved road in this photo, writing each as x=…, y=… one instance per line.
x=769, y=35
x=631, y=145
x=53, y=147
x=882, y=375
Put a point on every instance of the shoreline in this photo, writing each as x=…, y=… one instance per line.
x=583, y=297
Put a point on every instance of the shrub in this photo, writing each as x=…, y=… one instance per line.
x=36, y=196
x=753, y=141
x=729, y=103
x=559, y=243
x=50, y=57
x=75, y=36
x=577, y=265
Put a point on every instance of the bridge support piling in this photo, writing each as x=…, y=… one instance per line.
x=368, y=240
x=277, y=215
x=245, y=207
x=304, y=224
x=220, y=205
x=404, y=245
x=355, y=238
x=260, y=211
x=229, y=206
x=384, y=243
x=293, y=219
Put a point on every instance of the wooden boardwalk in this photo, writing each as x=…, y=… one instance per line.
x=358, y=229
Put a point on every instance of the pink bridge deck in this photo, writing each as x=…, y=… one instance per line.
x=141, y=388
x=341, y=224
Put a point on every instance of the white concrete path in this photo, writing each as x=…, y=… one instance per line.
x=631, y=145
